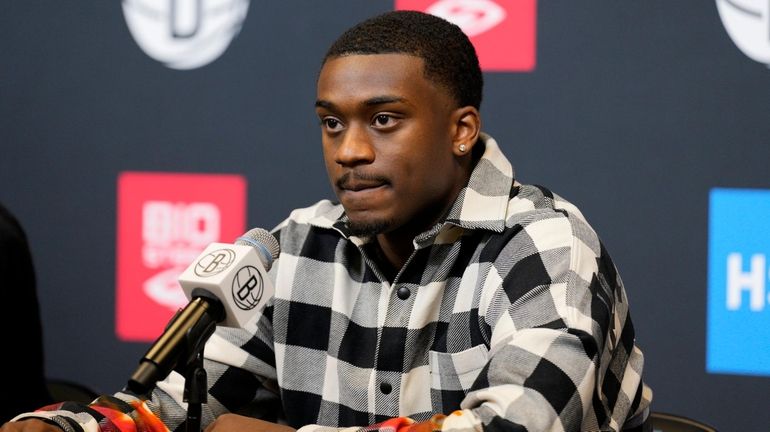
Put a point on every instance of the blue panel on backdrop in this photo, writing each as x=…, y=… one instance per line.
x=738, y=340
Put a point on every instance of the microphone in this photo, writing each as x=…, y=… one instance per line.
x=226, y=283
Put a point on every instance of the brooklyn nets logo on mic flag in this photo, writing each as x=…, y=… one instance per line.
x=247, y=288
x=214, y=263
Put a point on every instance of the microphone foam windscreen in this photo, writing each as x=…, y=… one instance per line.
x=261, y=239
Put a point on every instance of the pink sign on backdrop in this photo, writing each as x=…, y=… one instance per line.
x=503, y=31
x=164, y=221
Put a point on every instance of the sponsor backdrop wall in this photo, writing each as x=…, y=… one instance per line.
x=135, y=133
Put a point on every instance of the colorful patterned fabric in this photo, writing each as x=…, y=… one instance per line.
x=105, y=414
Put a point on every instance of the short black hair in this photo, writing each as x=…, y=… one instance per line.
x=449, y=57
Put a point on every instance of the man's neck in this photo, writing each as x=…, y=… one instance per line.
x=395, y=249
x=397, y=246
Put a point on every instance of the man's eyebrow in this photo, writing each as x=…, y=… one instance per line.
x=380, y=100
x=376, y=100
x=320, y=103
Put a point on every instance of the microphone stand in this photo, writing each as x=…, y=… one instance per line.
x=180, y=348
x=195, y=394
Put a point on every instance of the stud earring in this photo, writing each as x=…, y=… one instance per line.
x=462, y=148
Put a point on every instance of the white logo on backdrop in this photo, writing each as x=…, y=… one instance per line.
x=474, y=17
x=173, y=235
x=748, y=24
x=184, y=34
x=753, y=281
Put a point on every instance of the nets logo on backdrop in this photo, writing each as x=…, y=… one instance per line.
x=184, y=34
x=738, y=330
x=165, y=221
x=748, y=24
x=503, y=32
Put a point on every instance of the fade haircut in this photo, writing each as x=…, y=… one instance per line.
x=449, y=57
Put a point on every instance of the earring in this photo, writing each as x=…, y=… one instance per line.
x=462, y=148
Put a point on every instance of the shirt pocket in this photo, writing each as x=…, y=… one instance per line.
x=453, y=372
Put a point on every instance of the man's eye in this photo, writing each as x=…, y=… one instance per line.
x=331, y=123
x=383, y=120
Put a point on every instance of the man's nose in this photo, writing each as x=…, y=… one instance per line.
x=355, y=148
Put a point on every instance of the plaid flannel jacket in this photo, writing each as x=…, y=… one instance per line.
x=508, y=315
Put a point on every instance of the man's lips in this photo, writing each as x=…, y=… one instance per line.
x=355, y=186
x=356, y=182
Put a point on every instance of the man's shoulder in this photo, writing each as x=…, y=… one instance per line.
x=529, y=200
x=546, y=217
x=310, y=233
x=324, y=213
x=303, y=221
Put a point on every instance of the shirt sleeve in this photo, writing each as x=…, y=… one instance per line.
x=562, y=351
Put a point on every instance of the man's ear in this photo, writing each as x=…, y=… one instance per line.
x=466, y=127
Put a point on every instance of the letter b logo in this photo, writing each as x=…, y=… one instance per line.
x=247, y=288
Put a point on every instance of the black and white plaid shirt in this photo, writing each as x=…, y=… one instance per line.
x=508, y=315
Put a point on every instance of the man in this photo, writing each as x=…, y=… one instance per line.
x=439, y=294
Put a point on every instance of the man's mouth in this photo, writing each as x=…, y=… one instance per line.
x=358, y=182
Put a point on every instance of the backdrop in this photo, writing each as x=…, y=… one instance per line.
x=641, y=113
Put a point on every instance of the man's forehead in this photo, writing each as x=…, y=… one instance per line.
x=353, y=66
x=366, y=76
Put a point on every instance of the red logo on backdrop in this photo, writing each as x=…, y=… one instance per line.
x=165, y=221
x=503, y=32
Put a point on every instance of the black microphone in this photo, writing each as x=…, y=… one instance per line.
x=226, y=283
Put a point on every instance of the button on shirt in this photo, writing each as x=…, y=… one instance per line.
x=403, y=293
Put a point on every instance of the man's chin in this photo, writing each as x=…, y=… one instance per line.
x=363, y=228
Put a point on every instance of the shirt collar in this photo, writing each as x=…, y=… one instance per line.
x=483, y=202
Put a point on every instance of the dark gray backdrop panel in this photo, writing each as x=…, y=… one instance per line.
x=635, y=110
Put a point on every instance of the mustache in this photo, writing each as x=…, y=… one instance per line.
x=349, y=177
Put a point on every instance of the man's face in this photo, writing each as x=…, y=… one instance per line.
x=387, y=142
